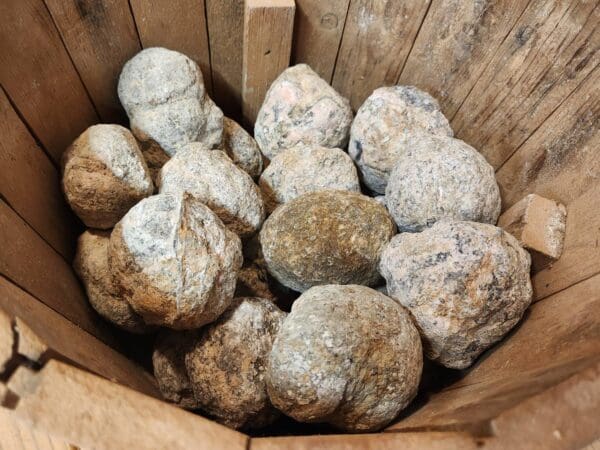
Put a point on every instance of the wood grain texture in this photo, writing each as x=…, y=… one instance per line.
x=318, y=33
x=226, y=32
x=377, y=40
x=31, y=184
x=100, y=36
x=18, y=435
x=177, y=25
x=551, y=50
x=268, y=27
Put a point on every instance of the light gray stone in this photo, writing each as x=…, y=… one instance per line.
x=242, y=148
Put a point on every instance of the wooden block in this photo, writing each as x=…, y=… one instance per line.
x=7, y=341
x=268, y=27
x=29, y=344
x=100, y=36
x=17, y=435
x=318, y=33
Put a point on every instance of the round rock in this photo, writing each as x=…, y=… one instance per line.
x=441, y=178
x=175, y=261
x=345, y=355
x=104, y=175
x=380, y=122
x=213, y=178
x=326, y=237
x=227, y=364
x=242, y=148
x=466, y=285
x=307, y=168
x=301, y=108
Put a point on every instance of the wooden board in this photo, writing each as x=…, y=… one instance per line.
x=177, y=25
x=39, y=77
x=377, y=40
x=268, y=26
x=454, y=46
x=100, y=36
x=537, y=67
x=318, y=33
x=17, y=435
x=30, y=183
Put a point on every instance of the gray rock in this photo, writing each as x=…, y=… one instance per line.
x=306, y=168
x=242, y=148
x=175, y=261
x=382, y=120
x=438, y=177
x=380, y=199
x=345, y=355
x=301, y=108
x=104, y=175
x=227, y=364
x=466, y=285
x=214, y=179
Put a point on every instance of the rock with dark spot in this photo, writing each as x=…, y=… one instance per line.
x=242, y=148
x=253, y=282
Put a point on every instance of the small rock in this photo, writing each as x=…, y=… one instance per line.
x=104, y=175
x=253, y=282
x=301, y=108
x=242, y=148
x=466, y=285
x=345, y=355
x=380, y=199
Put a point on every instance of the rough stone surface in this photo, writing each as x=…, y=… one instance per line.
x=175, y=261
x=345, y=355
x=213, y=178
x=253, y=282
x=227, y=364
x=438, y=177
x=466, y=285
x=380, y=199
x=104, y=175
x=163, y=94
x=242, y=148
x=91, y=265
x=307, y=168
x=168, y=360
x=326, y=237
x=382, y=120
x=301, y=108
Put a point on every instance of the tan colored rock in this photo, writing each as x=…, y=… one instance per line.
x=104, y=175
x=242, y=148
x=345, y=355
x=253, y=282
x=326, y=237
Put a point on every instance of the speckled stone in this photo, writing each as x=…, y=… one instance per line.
x=439, y=177
x=175, y=261
x=242, y=148
x=91, y=265
x=307, y=168
x=168, y=361
x=301, y=108
x=214, y=179
x=253, y=282
x=104, y=175
x=466, y=285
x=345, y=355
x=227, y=364
x=381, y=121
x=326, y=237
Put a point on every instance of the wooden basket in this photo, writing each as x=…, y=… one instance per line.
x=519, y=80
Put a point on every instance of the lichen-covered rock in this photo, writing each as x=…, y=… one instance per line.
x=104, y=175
x=212, y=177
x=227, y=364
x=307, y=168
x=382, y=120
x=168, y=361
x=91, y=265
x=175, y=261
x=345, y=355
x=439, y=177
x=301, y=108
x=466, y=285
x=326, y=237
x=253, y=282
x=242, y=148
x=163, y=94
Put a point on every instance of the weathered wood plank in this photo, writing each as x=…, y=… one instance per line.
x=39, y=77
x=318, y=33
x=377, y=39
x=268, y=28
x=177, y=25
x=100, y=37
x=551, y=50
x=17, y=435
x=31, y=184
